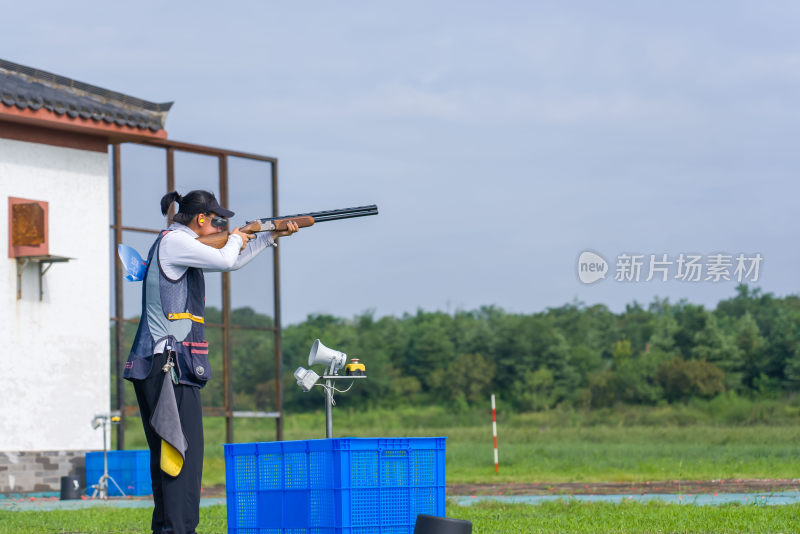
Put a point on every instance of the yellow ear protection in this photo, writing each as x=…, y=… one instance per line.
x=202, y=220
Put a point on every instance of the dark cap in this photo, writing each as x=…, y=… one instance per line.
x=212, y=206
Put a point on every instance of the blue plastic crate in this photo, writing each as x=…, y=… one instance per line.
x=130, y=469
x=334, y=486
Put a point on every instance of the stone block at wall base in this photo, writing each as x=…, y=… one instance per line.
x=38, y=471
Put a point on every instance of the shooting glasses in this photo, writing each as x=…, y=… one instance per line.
x=219, y=222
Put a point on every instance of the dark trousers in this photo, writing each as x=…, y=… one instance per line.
x=177, y=500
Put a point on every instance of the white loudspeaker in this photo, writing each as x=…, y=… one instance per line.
x=306, y=378
x=320, y=354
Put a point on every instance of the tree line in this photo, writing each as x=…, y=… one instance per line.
x=576, y=355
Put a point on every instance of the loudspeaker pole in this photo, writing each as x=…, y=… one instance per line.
x=328, y=408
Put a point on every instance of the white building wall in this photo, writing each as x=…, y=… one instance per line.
x=54, y=360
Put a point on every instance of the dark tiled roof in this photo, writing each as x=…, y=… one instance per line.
x=28, y=88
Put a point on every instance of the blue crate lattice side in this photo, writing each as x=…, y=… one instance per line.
x=338, y=486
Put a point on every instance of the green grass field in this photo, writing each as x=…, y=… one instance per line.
x=486, y=518
x=625, y=444
x=547, y=447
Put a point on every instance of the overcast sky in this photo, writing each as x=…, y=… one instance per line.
x=499, y=140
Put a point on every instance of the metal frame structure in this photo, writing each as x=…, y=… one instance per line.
x=171, y=147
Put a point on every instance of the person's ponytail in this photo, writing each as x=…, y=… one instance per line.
x=168, y=199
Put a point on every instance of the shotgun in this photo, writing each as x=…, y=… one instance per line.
x=303, y=220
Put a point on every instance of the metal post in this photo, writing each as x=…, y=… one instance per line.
x=171, y=148
x=104, y=495
x=328, y=408
x=276, y=278
x=226, y=316
x=171, y=180
x=119, y=325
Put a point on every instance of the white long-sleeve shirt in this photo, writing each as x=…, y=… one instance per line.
x=179, y=250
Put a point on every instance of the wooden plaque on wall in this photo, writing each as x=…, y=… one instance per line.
x=27, y=227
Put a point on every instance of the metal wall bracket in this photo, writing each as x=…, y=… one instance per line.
x=39, y=261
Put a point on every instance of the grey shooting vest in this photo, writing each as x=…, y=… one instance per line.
x=171, y=310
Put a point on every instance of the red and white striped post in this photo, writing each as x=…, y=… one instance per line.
x=494, y=435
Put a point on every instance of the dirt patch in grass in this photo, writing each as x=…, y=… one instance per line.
x=630, y=488
x=736, y=485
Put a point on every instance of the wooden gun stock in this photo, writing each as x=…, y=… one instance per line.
x=219, y=239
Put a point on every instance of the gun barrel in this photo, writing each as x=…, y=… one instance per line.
x=332, y=215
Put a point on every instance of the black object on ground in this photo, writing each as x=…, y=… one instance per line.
x=431, y=524
x=70, y=488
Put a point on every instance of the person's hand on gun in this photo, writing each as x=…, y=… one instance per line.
x=245, y=237
x=291, y=227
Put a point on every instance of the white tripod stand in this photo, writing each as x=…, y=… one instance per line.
x=101, y=488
